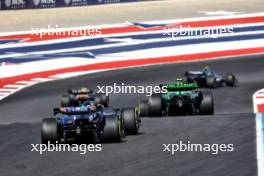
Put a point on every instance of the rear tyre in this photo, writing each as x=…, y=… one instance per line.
x=101, y=99
x=113, y=129
x=131, y=121
x=50, y=131
x=230, y=79
x=210, y=82
x=143, y=108
x=155, y=105
x=207, y=104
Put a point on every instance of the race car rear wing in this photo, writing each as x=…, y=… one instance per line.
x=74, y=112
x=180, y=86
x=77, y=92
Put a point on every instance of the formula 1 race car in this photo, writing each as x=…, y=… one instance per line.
x=78, y=97
x=181, y=99
x=209, y=78
x=89, y=123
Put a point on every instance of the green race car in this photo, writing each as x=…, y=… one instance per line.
x=180, y=99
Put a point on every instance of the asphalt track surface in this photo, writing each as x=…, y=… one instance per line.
x=142, y=154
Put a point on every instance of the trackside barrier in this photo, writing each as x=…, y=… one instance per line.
x=30, y=4
x=258, y=102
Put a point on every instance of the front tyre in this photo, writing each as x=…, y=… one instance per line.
x=210, y=82
x=230, y=80
x=50, y=131
x=155, y=105
x=143, y=108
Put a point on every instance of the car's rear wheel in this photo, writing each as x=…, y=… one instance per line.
x=132, y=121
x=101, y=99
x=155, y=105
x=143, y=108
x=113, y=129
x=207, y=104
x=230, y=79
x=50, y=131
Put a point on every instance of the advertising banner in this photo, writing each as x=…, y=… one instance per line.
x=43, y=4
x=14, y=4
x=29, y=4
x=69, y=3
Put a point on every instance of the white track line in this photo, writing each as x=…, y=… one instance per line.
x=26, y=82
x=13, y=86
x=6, y=90
x=42, y=79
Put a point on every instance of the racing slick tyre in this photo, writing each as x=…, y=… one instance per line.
x=132, y=121
x=210, y=82
x=155, y=105
x=186, y=79
x=102, y=99
x=207, y=104
x=143, y=108
x=50, y=131
x=230, y=79
x=66, y=101
x=113, y=131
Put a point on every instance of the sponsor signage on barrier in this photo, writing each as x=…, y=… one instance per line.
x=63, y=3
x=44, y=3
x=23, y=4
x=14, y=4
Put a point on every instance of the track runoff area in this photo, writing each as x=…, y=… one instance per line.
x=41, y=55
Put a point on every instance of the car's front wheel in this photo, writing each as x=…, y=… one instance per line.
x=143, y=108
x=155, y=105
x=210, y=82
x=132, y=121
x=230, y=79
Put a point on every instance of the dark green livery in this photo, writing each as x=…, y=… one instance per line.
x=180, y=99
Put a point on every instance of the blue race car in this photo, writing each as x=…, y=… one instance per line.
x=84, y=97
x=88, y=122
x=209, y=78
